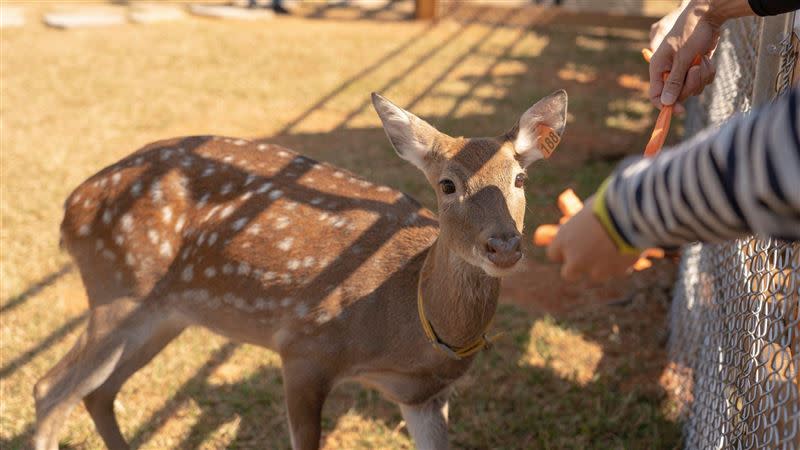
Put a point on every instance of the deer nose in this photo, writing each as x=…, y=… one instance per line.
x=504, y=251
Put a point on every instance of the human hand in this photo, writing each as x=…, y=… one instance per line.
x=584, y=247
x=696, y=32
x=659, y=30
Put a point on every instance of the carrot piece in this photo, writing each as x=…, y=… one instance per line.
x=656, y=253
x=647, y=54
x=569, y=203
x=563, y=220
x=659, y=132
x=641, y=264
x=544, y=235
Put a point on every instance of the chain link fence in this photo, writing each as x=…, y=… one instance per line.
x=735, y=319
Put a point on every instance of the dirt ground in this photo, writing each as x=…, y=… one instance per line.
x=580, y=364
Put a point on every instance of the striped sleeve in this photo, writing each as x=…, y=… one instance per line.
x=740, y=179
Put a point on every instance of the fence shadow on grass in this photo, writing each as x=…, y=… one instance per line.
x=517, y=391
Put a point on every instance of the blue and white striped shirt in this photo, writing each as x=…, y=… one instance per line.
x=725, y=183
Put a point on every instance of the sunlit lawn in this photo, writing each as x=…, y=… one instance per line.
x=73, y=102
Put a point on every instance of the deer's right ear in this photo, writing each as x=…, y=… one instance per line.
x=412, y=138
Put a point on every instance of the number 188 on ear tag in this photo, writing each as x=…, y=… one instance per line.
x=547, y=139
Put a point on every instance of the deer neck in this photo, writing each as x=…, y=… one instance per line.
x=459, y=299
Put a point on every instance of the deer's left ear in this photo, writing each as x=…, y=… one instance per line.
x=540, y=128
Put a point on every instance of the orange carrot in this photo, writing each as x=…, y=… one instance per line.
x=641, y=264
x=544, y=235
x=569, y=203
x=656, y=253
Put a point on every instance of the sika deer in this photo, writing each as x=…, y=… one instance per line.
x=264, y=246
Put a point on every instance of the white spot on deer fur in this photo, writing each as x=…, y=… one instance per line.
x=130, y=259
x=165, y=249
x=253, y=229
x=282, y=154
x=246, y=245
x=340, y=222
x=262, y=147
x=227, y=211
x=264, y=188
x=186, y=161
x=338, y=174
x=87, y=203
x=153, y=236
x=308, y=261
x=107, y=216
x=322, y=318
x=166, y=154
x=179, y=224
x=119, y=239
x=268, y=276
x=98, y=245
x=293, y=264
x=109, y=255
x=115, y=178
x=282, y=222
x=323, y=216
x=188, y=273
x=239, y=142
x=84, y=230
x=227, y=159
x=210, y=272
x=250, y=178
x=411, y=218
x=238, y=224
x=166, y=214
x=384, y=189
x=185, y=253
x=136, y=189
x=227, y=188
x=244, y=269
x=127, y=222
x=316, y=201
x=285, y=244
x=203, y=200
x=276, y=194
x=300, y=309
x=75, y=199
x=208, y=171
x=286, y=301
x=286, y=278
x=262, y=304
x=211, y=212
x=212, y=238
x=155, y=191
x=246, y=196
x=364, y=183
x=227, y=268
x=291, y=206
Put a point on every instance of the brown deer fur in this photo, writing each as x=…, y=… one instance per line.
x=265, y=246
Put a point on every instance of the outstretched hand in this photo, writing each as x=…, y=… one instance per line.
x=583, y=247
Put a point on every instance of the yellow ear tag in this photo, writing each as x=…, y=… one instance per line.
x=548, y=140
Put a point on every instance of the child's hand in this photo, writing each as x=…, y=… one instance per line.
x=584, y=247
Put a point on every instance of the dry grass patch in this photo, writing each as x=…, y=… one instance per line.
x=73, y=102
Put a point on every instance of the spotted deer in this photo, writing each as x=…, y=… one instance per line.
x=346, y=280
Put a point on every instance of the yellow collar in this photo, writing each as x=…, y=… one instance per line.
x=455, y=353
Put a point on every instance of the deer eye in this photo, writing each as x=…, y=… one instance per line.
x=520, y=180
x=448, y=187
